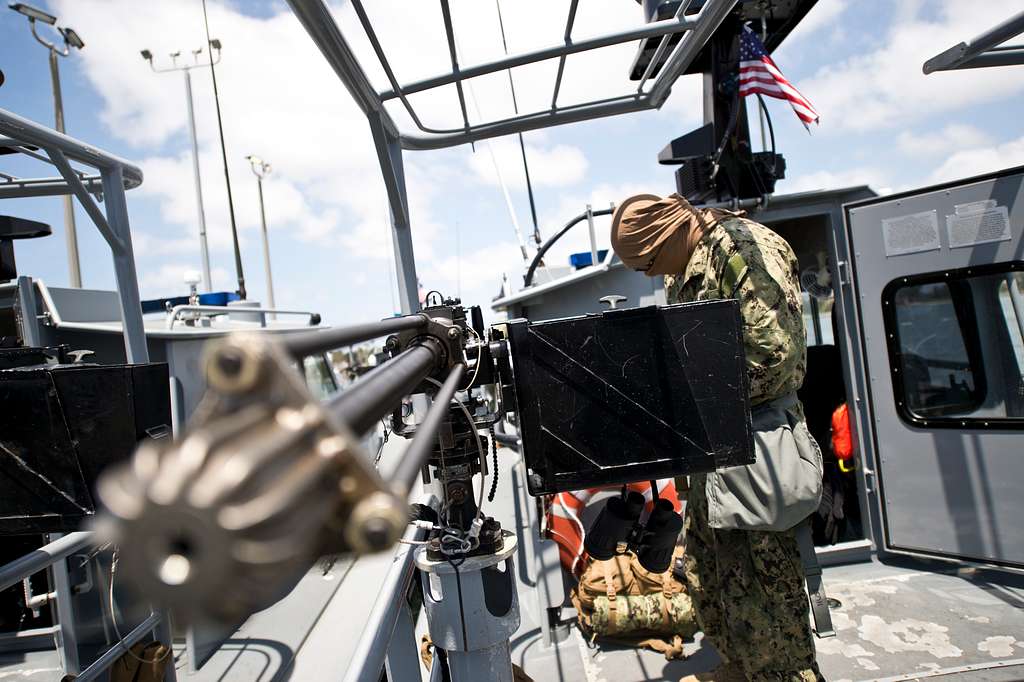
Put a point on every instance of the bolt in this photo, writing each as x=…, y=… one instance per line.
x=377, y=532
x=230, y=361
x=453, y=333
x=391, y=344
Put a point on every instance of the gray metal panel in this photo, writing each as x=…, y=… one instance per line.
x=85, y=305
x=583, y=296
x=948, y=492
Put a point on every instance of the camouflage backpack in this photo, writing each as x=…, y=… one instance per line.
x=620, y=601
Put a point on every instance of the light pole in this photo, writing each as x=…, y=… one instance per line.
x=71, y=39
x=261, y=169
x=187, y=69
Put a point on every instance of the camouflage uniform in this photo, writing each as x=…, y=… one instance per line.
x=747, y=587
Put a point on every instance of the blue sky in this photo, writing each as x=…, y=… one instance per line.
x=883, y=124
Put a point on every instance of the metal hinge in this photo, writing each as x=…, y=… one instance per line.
x=869, y=480
x=844, y=272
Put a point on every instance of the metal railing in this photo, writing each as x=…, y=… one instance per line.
x=651, y=93
x=115, y=175
x=176, y=313
x=52, y=556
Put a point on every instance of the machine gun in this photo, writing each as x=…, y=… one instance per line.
x=223, y=521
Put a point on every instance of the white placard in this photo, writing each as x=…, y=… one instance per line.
x=911, y=233
x=978, y=227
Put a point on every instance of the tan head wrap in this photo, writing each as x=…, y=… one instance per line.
x=656, y=236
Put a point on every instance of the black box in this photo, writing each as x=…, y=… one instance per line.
x=631, y=395
x=60, y=426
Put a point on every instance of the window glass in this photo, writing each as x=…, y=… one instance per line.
x=318, y=376
x=957, y=346
x=808, y=318
x=822, y=310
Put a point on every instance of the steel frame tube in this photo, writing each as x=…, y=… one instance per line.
x=711, y=17
x=660, y=51
x=958, y=55
x=101, y=664
x=372, y=650
x=567, y=36
x=1011, y=55
x=318, y=21
x=308, y=343
x=363, y=403
x=652, y=30
x=449, y=31
x=613, y=106
x=37, y=560
x=418, y=452
x=18, y=188
x=25, y=132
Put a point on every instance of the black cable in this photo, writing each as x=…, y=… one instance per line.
x=384, y=439
x=224, y=154
x=494, y=476
x=522, y=145
x=458, y=587
x=768, y=117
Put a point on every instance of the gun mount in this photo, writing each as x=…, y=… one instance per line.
x=224, y=520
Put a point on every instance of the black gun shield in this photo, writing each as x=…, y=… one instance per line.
x=60, y=426
x=631, y=395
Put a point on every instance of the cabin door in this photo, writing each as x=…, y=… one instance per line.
x=938, y=278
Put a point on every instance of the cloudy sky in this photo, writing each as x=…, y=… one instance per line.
x=883, y=124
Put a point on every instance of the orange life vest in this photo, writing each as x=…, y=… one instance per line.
x=565, y=511
x=842, y=442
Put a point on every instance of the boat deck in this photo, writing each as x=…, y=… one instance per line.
x=897, y=621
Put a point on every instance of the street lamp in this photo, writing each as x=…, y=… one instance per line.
x=186, y=69
x=261, y=169
x=70, y=39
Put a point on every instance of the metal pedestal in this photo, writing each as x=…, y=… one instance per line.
x=472, y=610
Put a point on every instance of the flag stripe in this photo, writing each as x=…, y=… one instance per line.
x=758, y=74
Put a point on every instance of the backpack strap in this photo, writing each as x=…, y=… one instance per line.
x=609, y=588
x=815, y=586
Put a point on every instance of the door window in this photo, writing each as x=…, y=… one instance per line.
x=956, y=346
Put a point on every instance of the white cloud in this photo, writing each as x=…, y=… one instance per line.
x=556, y=166
x=885, y=86
x=170, y=277
x=968, y=162
x=823, y=180
x=475, y=275
x=952, y=138
x=281, y=100
x=823, y=14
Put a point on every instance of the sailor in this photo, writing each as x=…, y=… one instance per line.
x=747, y=585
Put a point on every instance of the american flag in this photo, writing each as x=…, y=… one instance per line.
x=760, y=75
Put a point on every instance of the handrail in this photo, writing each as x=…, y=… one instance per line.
x=37, y=560
x=176, y=311
x=372, y=650
x=119, y=648
x=21, y=131
x=52, y=553
x=528, y=279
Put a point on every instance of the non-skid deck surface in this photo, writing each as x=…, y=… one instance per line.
x=896, y=622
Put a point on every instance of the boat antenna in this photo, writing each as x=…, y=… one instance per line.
x=522, y=145
x=224, y=156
